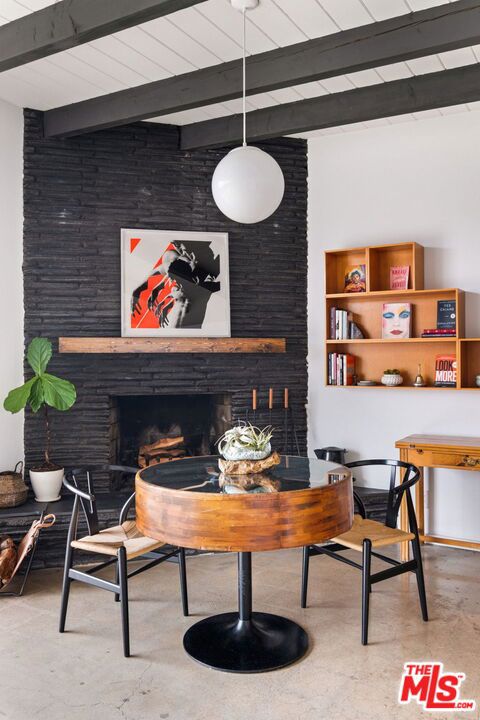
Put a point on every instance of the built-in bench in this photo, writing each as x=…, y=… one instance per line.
x=51, y=547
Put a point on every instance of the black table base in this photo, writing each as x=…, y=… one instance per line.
x=246, y=642
x=265, y=642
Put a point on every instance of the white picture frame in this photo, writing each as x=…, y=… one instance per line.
x=174, y=283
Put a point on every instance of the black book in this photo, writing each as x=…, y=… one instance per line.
x=446, y=314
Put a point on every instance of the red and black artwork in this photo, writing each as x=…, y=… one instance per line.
x=175, y=283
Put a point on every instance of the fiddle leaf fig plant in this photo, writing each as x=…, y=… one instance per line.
x=43, y=390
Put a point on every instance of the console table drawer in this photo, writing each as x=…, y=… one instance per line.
x=444, y=458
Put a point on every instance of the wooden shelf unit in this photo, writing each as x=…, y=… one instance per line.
x=377, y=260
x=373, y=354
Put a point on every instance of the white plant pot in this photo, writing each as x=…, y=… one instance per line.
x=246, y=454
x=392, y=380
x=46, y=484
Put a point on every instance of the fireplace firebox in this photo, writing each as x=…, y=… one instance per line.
x=149, y=429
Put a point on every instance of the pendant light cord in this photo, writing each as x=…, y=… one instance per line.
x=244, y=66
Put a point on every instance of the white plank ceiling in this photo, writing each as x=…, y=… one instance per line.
x=207, y=35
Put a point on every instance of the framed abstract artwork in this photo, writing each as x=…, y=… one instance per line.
x=175, y=283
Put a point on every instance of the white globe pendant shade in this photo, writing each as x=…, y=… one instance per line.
x=248, y=185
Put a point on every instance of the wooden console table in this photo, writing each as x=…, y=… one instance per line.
x=436, y=451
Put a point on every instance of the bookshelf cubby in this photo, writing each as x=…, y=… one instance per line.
x=374, y=354
x=382, y=257
x=469, y=362
x=335, y=264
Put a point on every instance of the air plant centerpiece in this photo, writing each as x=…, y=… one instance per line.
x=246, y=442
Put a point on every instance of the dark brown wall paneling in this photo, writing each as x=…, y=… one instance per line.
x=79, y=192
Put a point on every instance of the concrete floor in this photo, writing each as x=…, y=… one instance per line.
x=82, y=674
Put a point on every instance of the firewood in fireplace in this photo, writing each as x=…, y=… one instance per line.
x=144, y=460
x=165, y=443
x=163, y=450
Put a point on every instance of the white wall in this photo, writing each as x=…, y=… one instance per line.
x=411, y=181
x=11, y=282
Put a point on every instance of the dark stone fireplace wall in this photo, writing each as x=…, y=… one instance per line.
x=79, y=193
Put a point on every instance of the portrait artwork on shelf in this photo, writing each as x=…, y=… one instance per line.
x=396, y=321
x=355, y=279
x=175, y=284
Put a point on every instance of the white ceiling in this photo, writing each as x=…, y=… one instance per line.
x=209, y=34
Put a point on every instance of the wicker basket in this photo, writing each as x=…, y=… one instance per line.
x=13, y=490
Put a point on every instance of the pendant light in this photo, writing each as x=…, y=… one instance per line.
x=248, y=184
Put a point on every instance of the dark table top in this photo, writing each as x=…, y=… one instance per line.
x=202, y=474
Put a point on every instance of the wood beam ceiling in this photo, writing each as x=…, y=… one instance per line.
x=424, y=92
x=69, y=23
x=438, y=29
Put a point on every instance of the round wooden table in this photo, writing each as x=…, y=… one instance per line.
x=189, y=503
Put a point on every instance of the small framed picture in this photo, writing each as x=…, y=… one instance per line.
x=396, y=321
x=175, y=284
x=399, y=275
x=355, y=279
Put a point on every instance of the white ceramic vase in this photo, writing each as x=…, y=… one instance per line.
x=246, y=454
x=392, y=380
x=46, y=484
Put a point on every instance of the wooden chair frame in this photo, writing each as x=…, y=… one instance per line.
x=86, y=500
x=396, y=494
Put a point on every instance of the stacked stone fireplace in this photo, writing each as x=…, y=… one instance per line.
x=78, y=194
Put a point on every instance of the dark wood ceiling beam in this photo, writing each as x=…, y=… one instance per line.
x=436, y=29
x=69, y=23
x=424, y=92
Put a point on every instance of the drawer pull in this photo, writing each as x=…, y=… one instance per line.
x=468, y=461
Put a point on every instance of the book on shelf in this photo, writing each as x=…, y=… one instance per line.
x=355, y=279
x=341, y=369
x=439, y=332
x=445, y=371
x=396, y=321
x=446, y=314
x=342, y=326
x=399, y=275
x=343, y=320
x=333, y=316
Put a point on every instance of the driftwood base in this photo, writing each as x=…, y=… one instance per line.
x=257, y=482
x=248, y=467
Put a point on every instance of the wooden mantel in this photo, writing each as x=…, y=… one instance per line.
x=171, y=345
